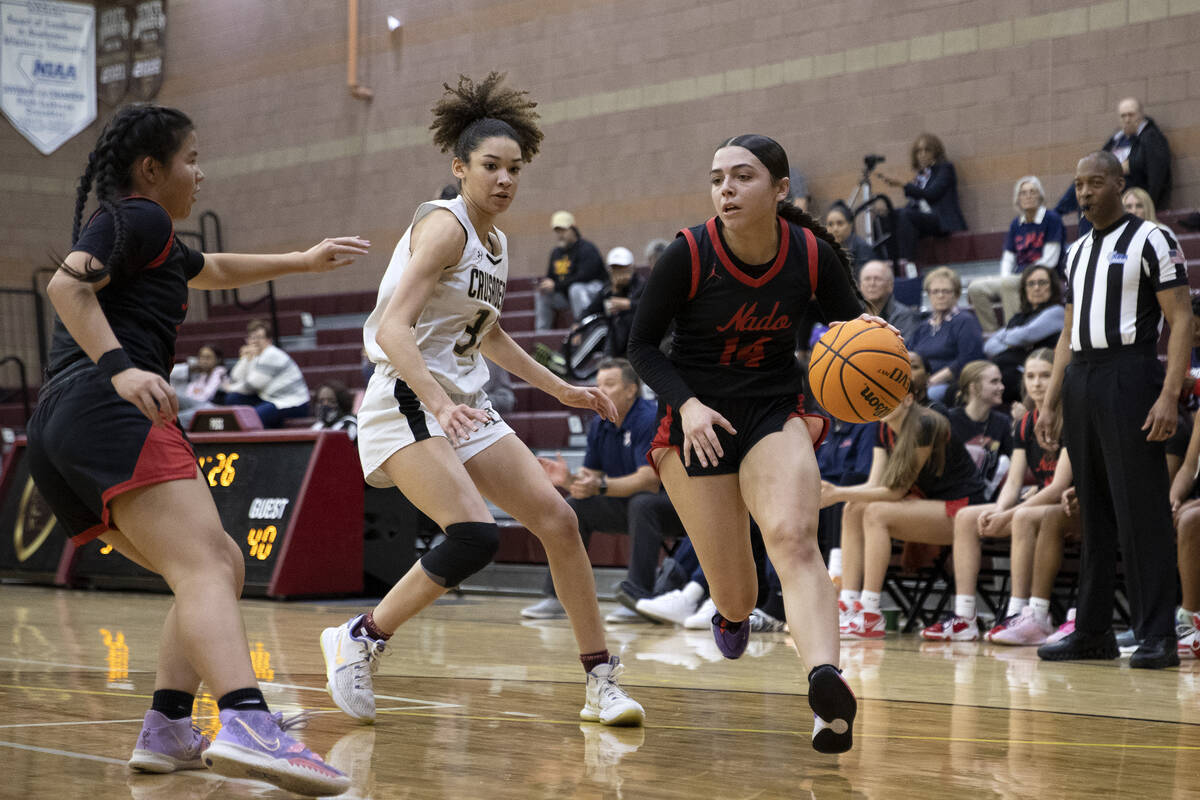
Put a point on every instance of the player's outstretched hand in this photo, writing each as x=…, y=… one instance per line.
x=460, y=421
x=329, y=254
x=152, y=395
x=588, y=397
x=697, y=421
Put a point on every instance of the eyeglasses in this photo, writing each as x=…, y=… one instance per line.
x=1038, y=282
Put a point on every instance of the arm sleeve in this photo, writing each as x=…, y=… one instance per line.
x=940, y=181
x=665, y=293
x=591, y=456
x=591, y=264
x=835, y=292
x=1158, y=164
x=969, y=337
x=1048, y=323
x=1163, y=259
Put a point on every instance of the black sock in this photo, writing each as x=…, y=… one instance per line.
x=172, y=704
x=814, y=670
x=250, y=699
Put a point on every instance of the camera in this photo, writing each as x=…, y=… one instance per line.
x=873, y=160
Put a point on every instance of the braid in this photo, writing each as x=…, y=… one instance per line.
x=793, y=214
x=471, y=112
x=134, y=132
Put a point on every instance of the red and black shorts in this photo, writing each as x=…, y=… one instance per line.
x=87, y=445
x=754, y=418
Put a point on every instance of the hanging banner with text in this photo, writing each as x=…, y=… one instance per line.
x=47, y=69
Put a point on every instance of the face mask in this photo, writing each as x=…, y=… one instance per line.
x=328, y=414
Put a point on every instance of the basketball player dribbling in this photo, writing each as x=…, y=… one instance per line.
x=427, y=427
x=733, y=440
x=107, y=453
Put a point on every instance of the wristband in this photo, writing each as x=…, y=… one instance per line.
x=114, y=361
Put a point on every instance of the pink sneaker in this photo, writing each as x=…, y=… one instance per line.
x=866, y=625
x=1025, y=630
x=1064, y=630
x=1001, y=625
x=952, y=629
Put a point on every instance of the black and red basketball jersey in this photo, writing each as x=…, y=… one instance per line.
x=735, y=324
x=1040, y=463
x=146, y=304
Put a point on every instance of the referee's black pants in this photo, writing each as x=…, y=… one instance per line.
x=1121, y=481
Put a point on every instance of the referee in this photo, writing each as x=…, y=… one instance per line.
x=1118, y=407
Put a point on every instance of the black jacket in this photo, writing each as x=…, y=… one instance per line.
x=581, y=262
x=1149, y=163
x=941, y=193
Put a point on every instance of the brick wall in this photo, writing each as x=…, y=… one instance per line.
x=635, y=94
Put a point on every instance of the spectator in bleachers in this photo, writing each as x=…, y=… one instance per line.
x=267, y=378
x=1036, y=237
x=333, y=406
x=574, y=276
x=206, y=373
x=1137, y=202
x=921, y=477
x=1145, y=158
x=1143, y=151
x=932, y=208
x=949, y=337
x=654, y=249
x=616, y=490
x=617, y=301
x=840, y=223
x=876, y=281
x=844, y=459
x=978, y=424
x=1036, y=325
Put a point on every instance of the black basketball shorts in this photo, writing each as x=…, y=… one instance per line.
x=88, y=445
x=752, y=417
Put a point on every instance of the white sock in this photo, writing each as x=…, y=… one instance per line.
x=964, y=606
x=1015, y=605
x=848, y=597
x=1041, y=608
x=835, y=562
x=870, y=601
x=693, y=592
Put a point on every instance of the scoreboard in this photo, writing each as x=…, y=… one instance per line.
x=292, y=499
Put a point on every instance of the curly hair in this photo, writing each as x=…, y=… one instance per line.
x=471, y=112
x=774, y=158
x=134, y=132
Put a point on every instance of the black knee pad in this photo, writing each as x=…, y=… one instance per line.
x=467, y=548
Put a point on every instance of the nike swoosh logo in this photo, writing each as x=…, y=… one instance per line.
x=337, y=656
x=272, y=746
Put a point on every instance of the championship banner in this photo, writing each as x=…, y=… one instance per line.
x=47, y=69
x=114, y=52
x=149, y=47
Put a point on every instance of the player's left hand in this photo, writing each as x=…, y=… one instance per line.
x=588, y=397
x=1161, y=420
x=330, y=254
x=880, y=321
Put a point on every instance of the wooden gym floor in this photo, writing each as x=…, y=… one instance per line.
x=476, y=703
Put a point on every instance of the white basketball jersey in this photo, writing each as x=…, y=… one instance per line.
x=464, y=306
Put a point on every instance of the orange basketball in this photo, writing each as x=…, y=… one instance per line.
x=859, y=372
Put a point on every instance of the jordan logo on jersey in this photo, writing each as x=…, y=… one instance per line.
x=487, y=288
x=745, y=319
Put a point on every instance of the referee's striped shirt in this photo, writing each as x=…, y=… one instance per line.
x=1112, y=277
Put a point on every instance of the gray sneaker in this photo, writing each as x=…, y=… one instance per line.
x=623, y=616
x=547, y=608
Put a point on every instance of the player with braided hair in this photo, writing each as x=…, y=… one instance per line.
x=426, y=425
x=107, y=453
x=733, y=439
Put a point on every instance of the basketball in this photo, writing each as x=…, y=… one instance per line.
x=859, y=371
